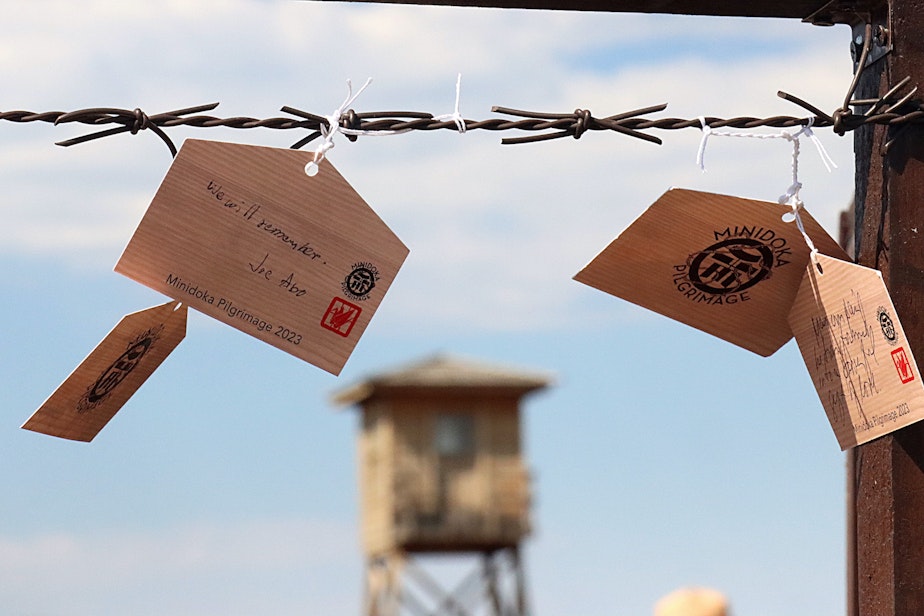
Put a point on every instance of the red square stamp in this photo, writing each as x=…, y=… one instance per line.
x=903, y=365
x=341, y=316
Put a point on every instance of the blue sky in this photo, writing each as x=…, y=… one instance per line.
x=227, y=486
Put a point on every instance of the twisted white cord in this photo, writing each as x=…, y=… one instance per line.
x=791, y=197
x=701, y=152
x=333, y=127
x=455, y=116
x=787, y=135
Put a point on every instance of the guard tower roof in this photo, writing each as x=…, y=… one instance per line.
x=444, y=372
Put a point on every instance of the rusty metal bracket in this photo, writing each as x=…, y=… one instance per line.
x=857, y=14
x=882, y=42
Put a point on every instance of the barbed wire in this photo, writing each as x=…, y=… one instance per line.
x=890, y=109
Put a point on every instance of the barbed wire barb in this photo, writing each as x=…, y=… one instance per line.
x=892, y=109
x=133, y=122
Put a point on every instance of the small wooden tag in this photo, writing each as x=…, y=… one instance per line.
x=241, y=233
x=85, y=402
x=856, y=351
x=725, y=265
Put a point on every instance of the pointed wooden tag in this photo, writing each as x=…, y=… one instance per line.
x=85, y=402
x=856, y=351
x=725, y=265
x=241, y=233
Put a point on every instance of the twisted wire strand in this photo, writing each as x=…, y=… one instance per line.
x=892, y=109
x=552, y=126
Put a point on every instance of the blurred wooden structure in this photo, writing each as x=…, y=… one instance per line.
x=441, y=471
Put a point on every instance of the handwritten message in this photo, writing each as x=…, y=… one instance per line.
x=850, y=337
x=243, y=235
x=845, y=352
x=262, y=266
x=249, y=213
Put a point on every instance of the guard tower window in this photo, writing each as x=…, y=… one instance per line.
x=455, y=435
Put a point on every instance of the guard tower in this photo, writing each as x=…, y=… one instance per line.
x=441, y=471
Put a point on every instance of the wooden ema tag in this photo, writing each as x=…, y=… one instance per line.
x=725, y=265
x=241, y=233
x=111, y=374
x=856, y=351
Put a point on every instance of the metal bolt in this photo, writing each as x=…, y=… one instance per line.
x=881, y=37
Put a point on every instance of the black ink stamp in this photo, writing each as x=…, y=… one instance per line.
x=360, y=282
x=740, y=258
x=887, y=325
x=119, y=370
x=730, y=266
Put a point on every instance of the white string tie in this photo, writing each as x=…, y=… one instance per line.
x=333, y=127
x=701, y=153
x=791, y=193
x=455, y=116
x=792, y=137
x=822, y=152
x=792, y=198
x=796, y=205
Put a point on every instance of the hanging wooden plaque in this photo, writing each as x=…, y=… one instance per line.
x=725, y=265
x=91, y=396
x=241, y=233
x=856, y=351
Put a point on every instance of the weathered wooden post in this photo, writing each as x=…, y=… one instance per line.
x=886, y=542
x=888, y=473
